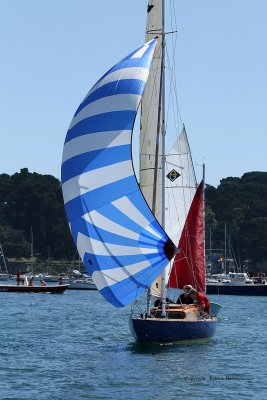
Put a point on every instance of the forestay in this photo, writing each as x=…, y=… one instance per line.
x=119, y=240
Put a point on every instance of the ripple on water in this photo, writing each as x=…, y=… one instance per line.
x=77, y=346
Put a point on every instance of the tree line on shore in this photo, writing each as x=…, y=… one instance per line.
x=32, y=216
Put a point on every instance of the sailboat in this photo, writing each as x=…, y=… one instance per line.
x=4, y=275
x=119, y=226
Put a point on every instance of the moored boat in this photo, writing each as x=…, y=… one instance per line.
x=82, y=284
x=239, y=284
x=57, y=289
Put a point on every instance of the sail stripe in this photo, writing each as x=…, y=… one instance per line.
x=127, y=208
x=101, y=222
x=119, y=240
x=94, y=141
x=111, y=121
x=114, y=88
x=128, y=63
x=101, y=158
x=84, y=244
x=105, y=263
x=104, y=235
x=115, y=215
x=97, y=198
x=114, y=236
x=120, y=102
x=123, y=73
x=141, y=216
x=140, y=52
x=127, y=291
x=107, y=235
x=111, y=277
x=95, y=179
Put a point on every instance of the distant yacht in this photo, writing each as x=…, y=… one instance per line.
x=237, y=283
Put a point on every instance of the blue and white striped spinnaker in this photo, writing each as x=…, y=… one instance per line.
x=121, y=244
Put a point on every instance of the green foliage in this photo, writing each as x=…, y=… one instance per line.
x=241, y=204
x=33, y=202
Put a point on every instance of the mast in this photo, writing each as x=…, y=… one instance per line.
x=151, y=130
x=225, y=248
x=163, y=274
x=3, y=257
x=204, y=239
x=31, y=250
x=210, y=253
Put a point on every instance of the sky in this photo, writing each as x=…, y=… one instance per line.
x=53, y=51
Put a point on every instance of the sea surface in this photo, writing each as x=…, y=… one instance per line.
x=77, y=346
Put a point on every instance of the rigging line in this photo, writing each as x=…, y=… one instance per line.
x=175, y=272
x=191, y=158
x=190, y=263
x=174, y=39
x=180, y=186
x=159, y=31
x=168, y=67
x=173, y=16
x=174, y=91
x=169, y=103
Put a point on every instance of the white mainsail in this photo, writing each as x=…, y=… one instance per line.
x=151, y=119
x=151, y=125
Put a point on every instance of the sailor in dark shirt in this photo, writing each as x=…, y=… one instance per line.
x=185, y=297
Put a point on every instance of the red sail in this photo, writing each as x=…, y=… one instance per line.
x=189, y=265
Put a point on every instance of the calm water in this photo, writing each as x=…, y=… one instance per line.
x=77, y=346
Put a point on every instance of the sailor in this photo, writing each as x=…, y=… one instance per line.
x=18, y=278
x=201, y=300
x=185, y=298
x=31, y=283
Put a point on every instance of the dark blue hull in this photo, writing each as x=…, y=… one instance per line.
x=238, y=290
x=149, y=331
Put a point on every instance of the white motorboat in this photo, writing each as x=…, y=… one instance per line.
x=82, y=284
